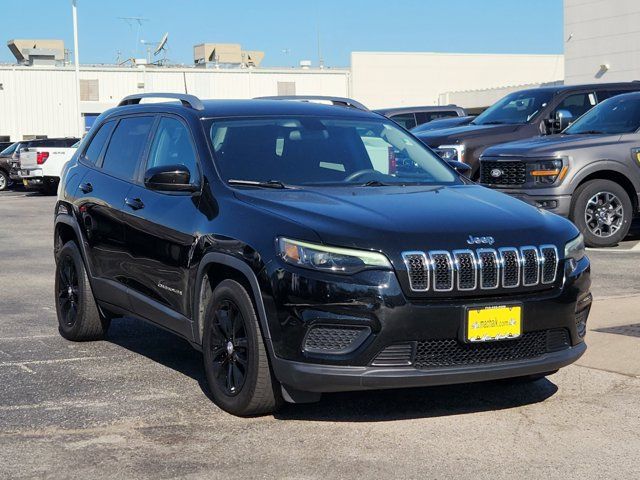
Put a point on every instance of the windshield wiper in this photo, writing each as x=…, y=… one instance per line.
x=588, y=132
x=254, y=183
x=375, y=183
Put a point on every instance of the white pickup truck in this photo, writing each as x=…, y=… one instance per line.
x=40, y=167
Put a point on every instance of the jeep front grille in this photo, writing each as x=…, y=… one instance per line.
x=482, y=269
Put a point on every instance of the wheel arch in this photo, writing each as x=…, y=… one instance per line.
x=613, y=175
x=213, y=269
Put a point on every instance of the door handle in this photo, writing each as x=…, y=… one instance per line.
x=134, y=203
x=86, y=187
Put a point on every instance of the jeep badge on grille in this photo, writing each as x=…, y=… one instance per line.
x=480, y=240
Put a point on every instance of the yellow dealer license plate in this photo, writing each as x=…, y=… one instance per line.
x=486, y=324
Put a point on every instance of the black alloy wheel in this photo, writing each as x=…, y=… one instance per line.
x=228, y=345
x=68, y=292
x=236, y=361
x=79, y=317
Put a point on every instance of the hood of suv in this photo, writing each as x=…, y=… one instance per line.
x=451, y=136
x=551, y=145
x=395, y=219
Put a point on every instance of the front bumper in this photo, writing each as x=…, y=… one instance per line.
x=330, y=378
x=375, y=303
x=558, y=204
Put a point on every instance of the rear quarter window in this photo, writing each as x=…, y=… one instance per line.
x=97, y=143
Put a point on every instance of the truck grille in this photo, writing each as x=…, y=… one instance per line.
x=483, y=269
x=503, y=173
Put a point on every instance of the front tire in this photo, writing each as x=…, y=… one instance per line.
x=235, y=357
x=603, y=212
x=78, y=316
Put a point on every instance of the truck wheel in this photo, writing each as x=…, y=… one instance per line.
x=4, y=181
x=50, y=186
x=78, y=316
x=235, y=358
x=602, y=210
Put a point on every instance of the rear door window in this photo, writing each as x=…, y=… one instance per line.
x=126, y=146
x=407, y=120
x=99, y=140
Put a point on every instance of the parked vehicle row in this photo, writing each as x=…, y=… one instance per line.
x=589, y=173
x=524, y=114
x=36, y=163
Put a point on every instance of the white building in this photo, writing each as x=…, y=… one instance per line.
x=602, y=40
x=41, y=100
x=388, y=79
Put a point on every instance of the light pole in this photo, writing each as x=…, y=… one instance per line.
x=76, y=61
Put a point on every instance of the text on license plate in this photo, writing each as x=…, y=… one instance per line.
x=494, y=323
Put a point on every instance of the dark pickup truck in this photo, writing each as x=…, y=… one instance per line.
x=524, y=114
x=589, y=173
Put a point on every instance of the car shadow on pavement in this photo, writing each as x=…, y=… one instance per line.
x=158, y=345
x=427, y=402
x=371, y=406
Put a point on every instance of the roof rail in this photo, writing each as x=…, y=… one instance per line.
x=187, y=100
x=338, y=101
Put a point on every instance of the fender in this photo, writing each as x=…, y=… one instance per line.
x=233, y=262
x=611, y=165
x=71, y=221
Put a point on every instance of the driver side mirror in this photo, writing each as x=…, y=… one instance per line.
x=461, y=168
x=563, y=119
x=169, y=178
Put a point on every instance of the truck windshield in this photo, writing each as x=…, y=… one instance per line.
x=617, y=115
x=323, y=151
x=515, y=108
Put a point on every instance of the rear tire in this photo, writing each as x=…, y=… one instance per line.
x=78, y=316
x=235, y=357
x=603, y=212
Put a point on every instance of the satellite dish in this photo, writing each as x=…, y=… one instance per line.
x=161, y=44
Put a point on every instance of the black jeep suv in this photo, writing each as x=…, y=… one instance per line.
x=308, y=248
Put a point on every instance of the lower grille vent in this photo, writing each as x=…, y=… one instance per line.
x=334, y=340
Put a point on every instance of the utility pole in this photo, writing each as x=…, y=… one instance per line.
x=76, y=61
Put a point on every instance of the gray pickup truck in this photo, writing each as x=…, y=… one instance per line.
x=589, y=173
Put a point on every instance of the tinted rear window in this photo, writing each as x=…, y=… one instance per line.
x=126, y=146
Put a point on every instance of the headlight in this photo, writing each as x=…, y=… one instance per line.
x=545, y=172
x=329, y=259
x=451, y=152
x=574, y=251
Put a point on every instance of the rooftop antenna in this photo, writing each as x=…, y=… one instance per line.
x=162, y=47
x=131, y=21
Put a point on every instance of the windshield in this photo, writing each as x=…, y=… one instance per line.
x=323, y=151
x=9, y=150
x=515, y=108
x=617, y=115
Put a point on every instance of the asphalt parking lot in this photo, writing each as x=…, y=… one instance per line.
x=136, y=405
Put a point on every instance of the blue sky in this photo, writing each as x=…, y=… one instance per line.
x=287, y=30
